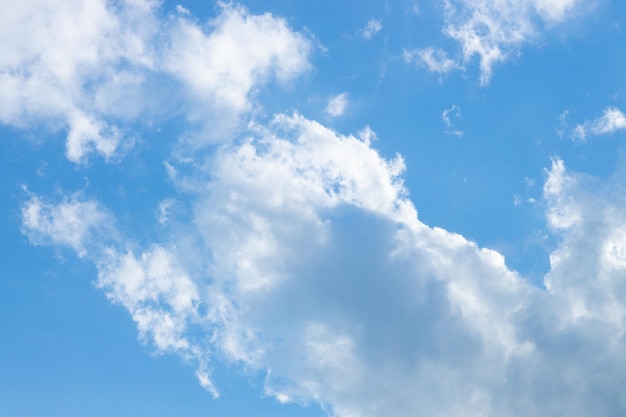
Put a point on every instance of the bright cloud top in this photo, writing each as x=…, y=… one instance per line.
x=91, y=67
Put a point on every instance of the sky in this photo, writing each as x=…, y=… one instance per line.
x=313, y=208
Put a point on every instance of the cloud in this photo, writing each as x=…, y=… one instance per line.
x=495, y=31
x=221, y=69
x=455, y=112
x=70, y=222
x=87, y=134
x=612, y=120
x=372, y=28
x=312, y=233
x=57, y=54
x=164, y=210
x=162, y=299
x=436, y=60
x=92, y=68
x=588, y=266
x=306, y=261
x=152, y=286
x=337, y=105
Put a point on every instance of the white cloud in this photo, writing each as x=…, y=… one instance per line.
x=337, y=105
x=495, y=31
x=55, y=54
x=561, y=214
x=162, y=299
x=436, y=60
x=182, y=10
x=372, y=28
x=86, y=133
x=312, y=267
x=154, y=288
x=588, y=267
x=612, y=120
x=455, y=112
x=554, y=10
x=223, y=67
x=367, y=135
x=71, y=222
x=89, y=67
x=332, y=297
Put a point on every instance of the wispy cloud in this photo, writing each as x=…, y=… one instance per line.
x=436, y=60
x=446, y=115
x=372, y=28
x=164, y=210
x=495, y=31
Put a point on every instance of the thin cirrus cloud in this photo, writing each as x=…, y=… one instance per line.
x=91, y=68
x=493, y=32
x=322, y=277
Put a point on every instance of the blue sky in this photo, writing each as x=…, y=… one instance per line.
x=287, y=208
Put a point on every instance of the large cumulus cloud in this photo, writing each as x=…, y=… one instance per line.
x=310, y=266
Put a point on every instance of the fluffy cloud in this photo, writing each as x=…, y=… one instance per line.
x=56, y=58
x=339, y=289
x=494, y=31
x=221, y=68
x=337, y=105
x=71, y=222
x=90, y=67
x=612, y=120
x=310, y=265
x=154, y=288
x=162, y=299
x=587, y=283
x=587, y=216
